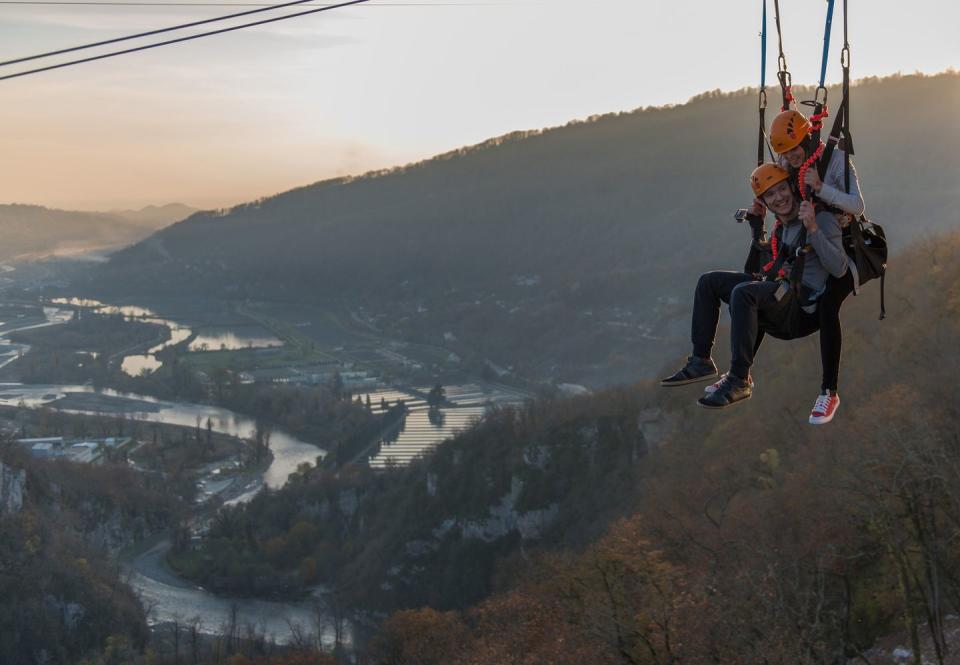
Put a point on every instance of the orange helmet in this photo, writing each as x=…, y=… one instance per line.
x=766, y=176
x=788, y=129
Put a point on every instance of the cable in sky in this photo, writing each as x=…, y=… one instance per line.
x=178, y=40
x=160, y=31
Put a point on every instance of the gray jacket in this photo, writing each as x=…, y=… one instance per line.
x=832, y=192
x=828, y=256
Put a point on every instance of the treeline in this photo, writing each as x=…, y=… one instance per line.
x=543, y=464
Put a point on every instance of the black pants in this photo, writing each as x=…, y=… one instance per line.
x=831, y=334
x=754, y=309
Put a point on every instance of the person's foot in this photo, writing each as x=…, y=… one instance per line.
x=730, y=391
x=713, y=386
x=696, y=369
x=825, y=407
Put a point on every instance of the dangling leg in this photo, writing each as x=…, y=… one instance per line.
x=756, y=347
x=713, y=289
x=831, y=345
x=746, y=303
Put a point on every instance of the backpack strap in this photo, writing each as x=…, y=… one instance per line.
x=796, y=268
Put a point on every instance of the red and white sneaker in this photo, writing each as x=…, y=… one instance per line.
x=825, y=408
x=712, y=388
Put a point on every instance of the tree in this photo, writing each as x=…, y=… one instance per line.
x=436, y=397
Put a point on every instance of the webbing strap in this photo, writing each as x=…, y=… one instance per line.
x=826, y=42
x=796, y=268
x=763, y=49
x=783, y=74
x=848, y=140
x=841, y=124
x=761, y=136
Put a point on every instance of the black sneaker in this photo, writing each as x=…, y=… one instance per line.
x=697, y=369
x=730, y=391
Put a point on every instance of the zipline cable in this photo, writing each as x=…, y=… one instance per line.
x=177, y=40
x=172, y=28
x=120, y=3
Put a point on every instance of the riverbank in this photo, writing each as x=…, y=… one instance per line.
x=100, y=403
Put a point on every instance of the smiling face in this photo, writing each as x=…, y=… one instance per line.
x=781, y=200
x=795, y=156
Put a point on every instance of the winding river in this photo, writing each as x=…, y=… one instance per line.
x=166, y=597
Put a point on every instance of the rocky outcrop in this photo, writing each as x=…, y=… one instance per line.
x=12, y=484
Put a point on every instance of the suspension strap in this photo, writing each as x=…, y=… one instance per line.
x=783, y=74
x=819, y=101
x=762, y=102
x=826, y=42
x=841, y=125
x=848, y=140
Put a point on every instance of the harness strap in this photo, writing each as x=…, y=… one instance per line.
x=761, y=137
x=783, y=74
x=826, y=42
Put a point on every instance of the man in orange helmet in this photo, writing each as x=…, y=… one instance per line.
x=764, y=305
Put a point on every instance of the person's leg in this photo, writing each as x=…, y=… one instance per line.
x=831, y=331
x=713, y=289
x=746, y=303
x=831, y=343
x=756, y=347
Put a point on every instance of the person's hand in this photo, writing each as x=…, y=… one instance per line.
x=812, y=180
x=758, y=209
x=808, y=215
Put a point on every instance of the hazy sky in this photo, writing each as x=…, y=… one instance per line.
x=227, y=119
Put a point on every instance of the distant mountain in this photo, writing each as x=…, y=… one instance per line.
x=31, y=231
x=156, y=217
x=549, y=249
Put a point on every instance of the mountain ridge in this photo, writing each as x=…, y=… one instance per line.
x=596, y=213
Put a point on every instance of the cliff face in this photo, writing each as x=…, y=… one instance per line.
x=12, y=485
x=59, y=525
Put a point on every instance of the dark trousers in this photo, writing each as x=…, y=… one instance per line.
x=831, y=333
x=753, y=308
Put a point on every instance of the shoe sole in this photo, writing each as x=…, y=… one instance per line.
x=725, y=406
x=710, y=392
x=687, y=382
x=822, y=420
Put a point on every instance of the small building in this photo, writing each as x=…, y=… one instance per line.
x=46, y=450
x=85, y=452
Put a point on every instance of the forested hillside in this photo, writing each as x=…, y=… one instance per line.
x=632, y=526
x=31, y=231
x=560, y=252
x=59, y=523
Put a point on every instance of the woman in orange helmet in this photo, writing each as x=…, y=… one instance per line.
x=791, y=137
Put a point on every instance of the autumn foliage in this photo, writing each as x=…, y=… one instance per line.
x=757, y=538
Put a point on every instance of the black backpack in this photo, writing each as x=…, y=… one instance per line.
x=865, y=242
x=866, y=245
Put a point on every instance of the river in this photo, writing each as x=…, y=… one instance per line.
x=164, y=596
x=167, y=597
